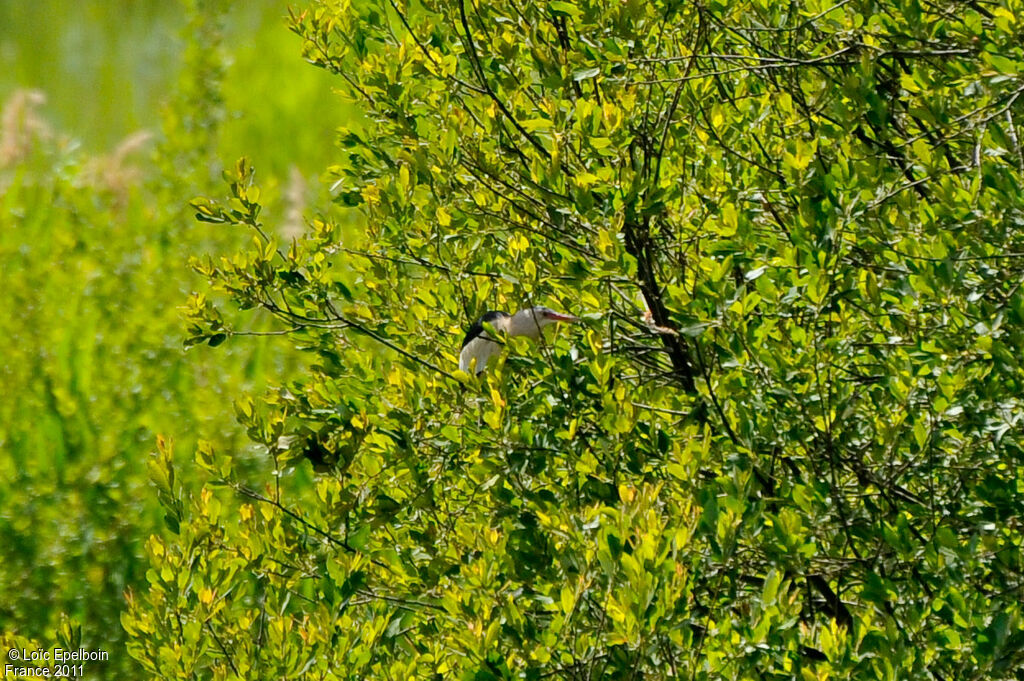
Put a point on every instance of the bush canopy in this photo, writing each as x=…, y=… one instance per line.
x=784, y=440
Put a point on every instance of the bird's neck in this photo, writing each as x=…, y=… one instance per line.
x=524, y=323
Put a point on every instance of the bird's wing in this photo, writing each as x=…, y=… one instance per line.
x=481, y=348
x=480, y=345
x=477, y=329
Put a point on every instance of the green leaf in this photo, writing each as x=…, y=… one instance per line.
x=565, y=9
x=583, y=74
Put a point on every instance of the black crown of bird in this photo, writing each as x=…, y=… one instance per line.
x=479, y=346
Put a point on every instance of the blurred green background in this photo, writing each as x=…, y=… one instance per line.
x=107, y=68
x=114, y=114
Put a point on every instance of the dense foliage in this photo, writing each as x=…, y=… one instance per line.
x=783, y=443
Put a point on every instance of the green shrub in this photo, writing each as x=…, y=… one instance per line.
x=783, y=443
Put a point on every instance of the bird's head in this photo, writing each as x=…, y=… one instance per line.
x=530, y=321
x=545, y=316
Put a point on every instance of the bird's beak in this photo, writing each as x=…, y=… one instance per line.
x=559, y=317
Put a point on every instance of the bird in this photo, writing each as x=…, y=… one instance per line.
x=478, y=346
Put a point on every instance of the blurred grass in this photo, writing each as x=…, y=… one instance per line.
x=104, y=65
x=95, y=233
